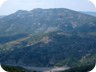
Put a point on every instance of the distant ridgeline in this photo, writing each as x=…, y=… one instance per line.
x=90, y=13
x=48, y=38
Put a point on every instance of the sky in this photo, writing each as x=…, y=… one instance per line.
x=94, y=2
x=11, y=6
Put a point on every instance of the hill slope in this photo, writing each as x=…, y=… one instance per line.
x=44, y=20
x=49, y=37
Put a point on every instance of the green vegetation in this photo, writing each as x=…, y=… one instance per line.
x=48, y=37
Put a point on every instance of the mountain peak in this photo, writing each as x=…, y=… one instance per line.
x=41, y=20
x=54, y=37
x=21, y=12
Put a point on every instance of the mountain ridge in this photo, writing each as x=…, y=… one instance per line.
x=32, y=19
x=90, y=13
x=51, y=37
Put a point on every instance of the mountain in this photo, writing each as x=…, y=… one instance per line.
x=44, y=20
x=90, y=13
x=48, y=38
x=1, y=16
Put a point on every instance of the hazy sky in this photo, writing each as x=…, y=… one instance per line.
x=94, y=2
x=10, y=6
